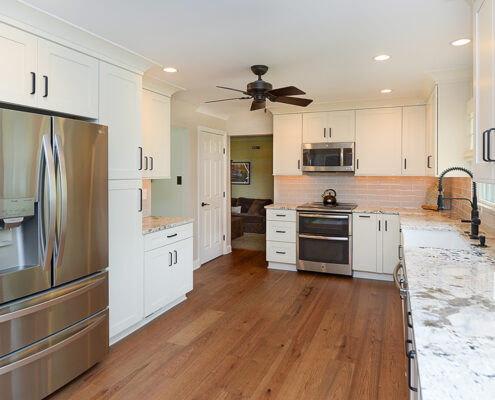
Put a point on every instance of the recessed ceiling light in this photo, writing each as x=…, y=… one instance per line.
x=381, y=57
x=170, y=69
x=460, y=42
x=386, y=91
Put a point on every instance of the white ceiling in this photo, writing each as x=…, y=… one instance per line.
x=324, y=47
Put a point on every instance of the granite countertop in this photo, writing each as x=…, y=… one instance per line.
x=452, y=294
x=155, y=224
x=282, y=206
x=388, y=210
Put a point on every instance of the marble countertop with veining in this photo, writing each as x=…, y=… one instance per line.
x=282, y=206
x=155, y=224
x=452, y=294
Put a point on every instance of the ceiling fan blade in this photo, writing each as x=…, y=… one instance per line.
x=296, y=101
x=286, y=91
x=257, y=105
x=233, y=98
x=235, y=90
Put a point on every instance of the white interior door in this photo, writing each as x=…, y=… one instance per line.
x=211, y=180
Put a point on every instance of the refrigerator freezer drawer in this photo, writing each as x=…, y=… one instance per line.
x=31, y=319
x=42, y=368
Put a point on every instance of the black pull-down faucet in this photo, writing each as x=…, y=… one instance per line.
x=475, y=214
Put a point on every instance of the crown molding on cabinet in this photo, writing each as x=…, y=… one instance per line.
x=205, y=110
x=42, y=24
x=160, y=86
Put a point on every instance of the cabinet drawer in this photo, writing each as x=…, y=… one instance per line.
x=281, y=252
x=281, y=215
x=167, y=236
x=281, y=231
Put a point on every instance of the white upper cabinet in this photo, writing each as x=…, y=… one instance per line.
x=121, y=111
x=18, y=75
x=413, y=140
x=156, y=135
x=378, y=141
x=287, y=142
x=334, y=126
x=484, y=84
x=43, y=74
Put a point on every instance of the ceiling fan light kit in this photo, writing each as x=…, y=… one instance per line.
x=260, y=91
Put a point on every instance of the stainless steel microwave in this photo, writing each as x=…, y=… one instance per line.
x=328, y=157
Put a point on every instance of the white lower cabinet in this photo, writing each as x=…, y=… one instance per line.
x=168, y=271
x=125, y=255
x=376, y=242
x=281, y=239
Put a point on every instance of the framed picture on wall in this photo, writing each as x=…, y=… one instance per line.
x=240, y=172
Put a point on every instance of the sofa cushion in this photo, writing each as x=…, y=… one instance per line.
x=245, y=203
x=233, y=202
x=256, y=207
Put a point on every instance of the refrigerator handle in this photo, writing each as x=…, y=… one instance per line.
x=62, y=172
x=46, y=164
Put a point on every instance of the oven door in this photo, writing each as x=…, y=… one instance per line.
x=338, y=224
x=330, y=254
x=328, y=157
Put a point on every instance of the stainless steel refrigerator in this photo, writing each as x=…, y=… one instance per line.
x=53, y=251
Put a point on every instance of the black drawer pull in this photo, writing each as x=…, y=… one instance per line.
x=365, y=216
x=33, y=83
x=281, y=215
x=280, y=252
x=46, y=85
x=280, y=231
x=171, y=236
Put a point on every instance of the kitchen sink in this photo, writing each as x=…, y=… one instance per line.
x=437, y=239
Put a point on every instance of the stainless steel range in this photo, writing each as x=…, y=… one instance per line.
x=324, y=238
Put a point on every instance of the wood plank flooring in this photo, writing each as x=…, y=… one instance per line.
x=246, y=332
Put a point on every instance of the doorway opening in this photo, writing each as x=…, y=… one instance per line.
x=252, y=189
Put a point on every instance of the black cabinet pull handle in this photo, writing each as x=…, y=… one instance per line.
x=280, y=252
x=46, y=85
x=409, y=319
x=280, y=231
x=169, y=258
x=280, y=215
x=488, y=155
x=329, y=132
x=405, y=163
x=324, y=132
x=151, y=158
x=33, y=83
x=379, y=225
x=365, y=216
x=140, y=200
x=399, y=247
x=484, y=146
x=386, y=225
x=171, y=236
x=146, y=163
x=357, y=163
x=175, y=254
x=298, y=164
x=140, y=158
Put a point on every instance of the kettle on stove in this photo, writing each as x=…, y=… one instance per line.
x=329, y=198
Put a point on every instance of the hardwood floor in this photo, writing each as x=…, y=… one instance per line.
x=251, y=333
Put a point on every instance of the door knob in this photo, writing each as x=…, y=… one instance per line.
x=204, y=204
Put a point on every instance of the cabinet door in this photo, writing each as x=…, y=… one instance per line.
x=484, y=72
x=390, y=242
x=341, y=126
x=378, y=141
x=156, y=135
x=125, y=255
x=413, y=140
x=121, y=111
x=315, y=127
x=18, y=75
x=287, y=142
x=158, y=278
x=364, y=242
x=431, y=134
x=182, y=267
x=67, y=80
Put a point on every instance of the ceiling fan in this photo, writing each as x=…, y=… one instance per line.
x=260, y=91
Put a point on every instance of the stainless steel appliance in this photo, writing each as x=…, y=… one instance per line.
x=53, y=251
x=324, y=238
x=328, y=157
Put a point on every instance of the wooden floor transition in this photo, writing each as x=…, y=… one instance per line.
x=246, y=332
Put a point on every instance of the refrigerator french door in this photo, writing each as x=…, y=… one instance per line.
x=53, y=251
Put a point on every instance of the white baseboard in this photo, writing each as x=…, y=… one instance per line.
x=372, y=275
x=282, y=266
x=196, y=264
x=227, y=250
x=114, y=339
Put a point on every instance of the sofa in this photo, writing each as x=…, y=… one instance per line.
x=253, y=213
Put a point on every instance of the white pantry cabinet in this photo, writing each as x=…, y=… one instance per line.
x=333, y=126
x=40, y=73
x=156, y=135
x=287, y=144
x=376, y=241
x=168, y=270
x=378, y=141
x=121, y=111
x=125, y=255
x=413, y=140
x=484, y=84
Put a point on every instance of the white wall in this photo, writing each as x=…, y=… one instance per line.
x=250, y=123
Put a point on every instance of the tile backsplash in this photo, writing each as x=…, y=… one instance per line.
x=391, y=191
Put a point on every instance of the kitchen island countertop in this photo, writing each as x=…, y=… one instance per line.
x=155, y=224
